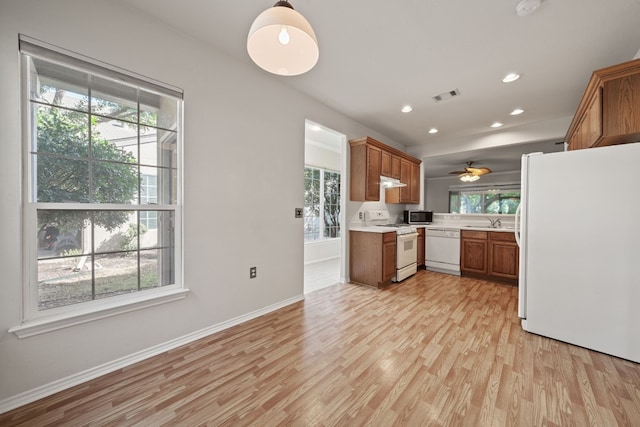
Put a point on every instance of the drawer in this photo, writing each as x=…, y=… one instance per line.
x=471, y=234
x=502, y=236
x=389, y=237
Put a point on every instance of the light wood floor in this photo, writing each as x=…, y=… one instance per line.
x=433, y=350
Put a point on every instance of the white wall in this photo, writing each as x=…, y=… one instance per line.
x=437, y=189
x=237, y=146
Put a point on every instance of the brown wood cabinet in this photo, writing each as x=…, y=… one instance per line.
x=473, y=252
x=503, y=256
x=370, y=159
x=372, y=258
x=365, y=173
x=390, y=165
x=410, y=175
x=492, y=255
x=421, y=248
x=609, y=112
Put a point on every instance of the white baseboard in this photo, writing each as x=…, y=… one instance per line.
x=317, y=261
x=81, y=377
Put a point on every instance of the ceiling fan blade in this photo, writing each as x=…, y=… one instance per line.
x=457, y=172
x=479, y=171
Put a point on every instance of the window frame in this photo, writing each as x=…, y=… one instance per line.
x=321, y=230
x=482, y=190
x=33, y=320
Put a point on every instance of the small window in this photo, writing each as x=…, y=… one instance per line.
x=103, y=196
x=321, y=204
x=503, y=199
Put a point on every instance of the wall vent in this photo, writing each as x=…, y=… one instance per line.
x=446, y=95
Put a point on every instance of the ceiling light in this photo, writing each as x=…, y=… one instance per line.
x=496, y=125
x=433, y=130
x=281, y=41
x=407, y=109
x=517, y=111
x=511, y=77
x=469, y=177
x=527, y=7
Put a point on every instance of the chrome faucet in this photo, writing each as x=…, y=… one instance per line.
x=495, y=222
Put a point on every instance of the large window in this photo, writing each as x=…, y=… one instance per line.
x=321, y=204
x=102, y=217
x=502, y=199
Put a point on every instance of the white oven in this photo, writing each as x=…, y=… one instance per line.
x=406, y=255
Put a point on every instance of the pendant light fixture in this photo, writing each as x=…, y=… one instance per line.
x=281, y=41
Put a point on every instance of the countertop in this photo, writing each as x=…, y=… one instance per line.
x=383, y=229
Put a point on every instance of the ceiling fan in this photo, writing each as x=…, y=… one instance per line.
x=470, y=174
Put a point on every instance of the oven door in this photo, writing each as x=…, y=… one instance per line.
x=406, y=255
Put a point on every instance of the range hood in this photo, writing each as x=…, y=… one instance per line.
x=388, y=182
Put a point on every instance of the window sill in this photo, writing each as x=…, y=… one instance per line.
x=46, y=324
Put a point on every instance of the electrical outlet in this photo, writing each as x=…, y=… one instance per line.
x=253, y=272
x=298, y=212
x=360, y=216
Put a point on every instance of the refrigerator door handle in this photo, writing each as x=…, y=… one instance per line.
x=516, y=232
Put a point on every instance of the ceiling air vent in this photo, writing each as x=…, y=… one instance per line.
x=446, y=95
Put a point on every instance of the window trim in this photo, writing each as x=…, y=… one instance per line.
x=34, y=321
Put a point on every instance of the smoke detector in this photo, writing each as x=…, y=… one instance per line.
x=527, y=7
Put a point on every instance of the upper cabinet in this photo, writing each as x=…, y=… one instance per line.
x=609, y=112
x=370, y=159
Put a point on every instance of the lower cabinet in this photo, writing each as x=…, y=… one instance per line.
x=492, y=255
x=421, y=248
x=473, y=252
x=372, y=258
x=503, y=256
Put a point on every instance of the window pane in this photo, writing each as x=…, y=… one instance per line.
x=58, y=85
x=114, y=140
x=158, y=110
x=61, y=180
x=63, y=281
x=112, y=99
x=63, y=233
x=60, y=131
x=158, y=147
x=116, y=274
x=484, y=201
x=166, y=183
x=156, y=268
x=115, y=231
x=114, y=182
x=159, y=232
x=331, y=204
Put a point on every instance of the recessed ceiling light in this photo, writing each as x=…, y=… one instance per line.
x=433, y=130
x=517, y=111
x=511, y=77
x=496, y=125
x=407, y=109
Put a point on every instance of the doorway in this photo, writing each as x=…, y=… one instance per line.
x=324, y=206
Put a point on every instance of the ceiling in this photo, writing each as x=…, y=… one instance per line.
x=377, y=56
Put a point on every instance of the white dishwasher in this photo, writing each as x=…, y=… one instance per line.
x=443, y=250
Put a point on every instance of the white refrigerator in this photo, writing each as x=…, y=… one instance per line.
x=578, y=228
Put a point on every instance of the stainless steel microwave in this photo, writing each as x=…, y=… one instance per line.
x=418, y=217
